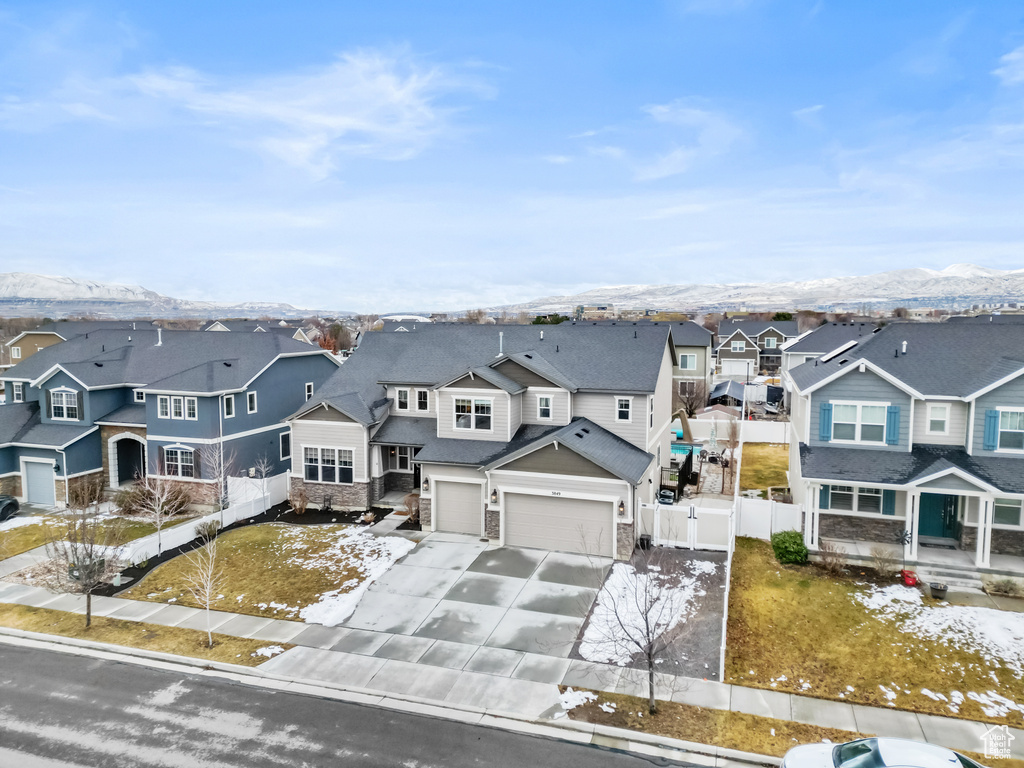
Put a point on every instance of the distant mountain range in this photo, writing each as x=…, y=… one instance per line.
x=957, y=287
x=27, y=295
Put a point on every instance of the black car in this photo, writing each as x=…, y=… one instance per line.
x=8, y=507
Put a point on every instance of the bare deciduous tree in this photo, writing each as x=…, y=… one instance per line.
x=204, y=579
x=160, y=499
x=732, y=443
x=83, y=552
x=263, y=469
x=691, y=397
x=217, y=467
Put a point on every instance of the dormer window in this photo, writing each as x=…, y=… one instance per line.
x=18, y=392
x=473, y=414
x=64, y=405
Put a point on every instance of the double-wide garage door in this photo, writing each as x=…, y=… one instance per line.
x=459, y=507
x=559, y=524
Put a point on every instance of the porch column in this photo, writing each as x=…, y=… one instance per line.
x=913, y=516
x=811, y=517
x=983, y=546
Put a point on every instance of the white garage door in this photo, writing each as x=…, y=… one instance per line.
x=738, y=367
x=39, y=483
x=458, y=507
x=559, y=524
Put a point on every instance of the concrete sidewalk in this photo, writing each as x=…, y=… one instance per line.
x=24, y=560
x=451, y=673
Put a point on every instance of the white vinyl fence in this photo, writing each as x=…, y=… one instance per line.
x=765, y=432
x=688, y=526
x=244, y=502
x=760, y=518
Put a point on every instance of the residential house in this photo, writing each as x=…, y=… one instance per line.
x=823, y=342
x=26, y=344
x=746, y=348
x=916, y=428
x=112, y=405
x=260, y=326
x=532, y=436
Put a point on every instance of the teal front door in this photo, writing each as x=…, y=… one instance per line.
x=938, y=516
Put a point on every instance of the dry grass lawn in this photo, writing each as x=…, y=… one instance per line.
x=793, y=629
x=150, y=637
x=763, y=465
x=23, y=538
x=263, y=574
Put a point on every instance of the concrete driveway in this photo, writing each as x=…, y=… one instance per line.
x=455, y=595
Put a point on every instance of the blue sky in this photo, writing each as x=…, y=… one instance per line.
x=385, y=156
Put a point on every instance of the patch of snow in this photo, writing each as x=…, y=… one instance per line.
x=270, y=651
x=934, y=696
x=616, y=631
x=607, y=706
x=19, y=522
x=850, y=688
x=573, y=698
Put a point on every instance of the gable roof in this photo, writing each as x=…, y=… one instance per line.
x=497, y=378
x=754, y=328
x=953, y=360
x=21, y=424
x=70, y=329
x=830, y=336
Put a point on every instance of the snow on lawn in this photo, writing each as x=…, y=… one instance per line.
x=998, y=636
x=353, y=549
x=572, y=699
x=20, y=522
x=617, y=616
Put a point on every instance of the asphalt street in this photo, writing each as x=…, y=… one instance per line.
x=58, y=710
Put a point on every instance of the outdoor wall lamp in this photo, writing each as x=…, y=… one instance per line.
x=56, y=469
x=494, y=496
x=622, y=507
x=426, y=485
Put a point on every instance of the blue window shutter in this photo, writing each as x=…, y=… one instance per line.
x=991, y=430
x=888, y=502
x=892, y=425
x=823, y=497
x=825, y=422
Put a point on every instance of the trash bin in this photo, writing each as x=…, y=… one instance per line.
x=938, y=590
x=645, y=541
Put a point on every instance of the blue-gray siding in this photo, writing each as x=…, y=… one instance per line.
x=862, y=387
x=1010, y=395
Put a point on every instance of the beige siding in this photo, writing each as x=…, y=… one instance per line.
x=431, y=402
x=331, y=435
x=326, y=414
x=515, y=415
x=956, y=423
x=700, y=371
x=559, y=406
x=600, y=409
x=557, y=461
x=499, y=414
x=659, y=435
x=523, y=376
x=31, y=344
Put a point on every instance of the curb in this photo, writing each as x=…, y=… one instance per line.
x=579, y=732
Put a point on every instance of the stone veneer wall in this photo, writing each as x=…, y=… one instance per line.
x=347, y=498
x=76, y=482
x=377, y=489
x=1004, y=542
x=859, y=528
x=425, y=518
x=11, y=485
x=399, y=481
x=492, y=524
x=106, y=432
x=624, y=541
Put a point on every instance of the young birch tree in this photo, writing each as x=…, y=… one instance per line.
x=263, y=469
x=205, y=579
x=83, y=553
x=160, y=500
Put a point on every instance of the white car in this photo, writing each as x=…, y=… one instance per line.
x=876, y=753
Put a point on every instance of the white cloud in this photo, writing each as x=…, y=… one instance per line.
x=708, y=133
x=364, y=104
x=1012, y=70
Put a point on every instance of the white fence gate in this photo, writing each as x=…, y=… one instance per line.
x=760, y=518
x=688, y=526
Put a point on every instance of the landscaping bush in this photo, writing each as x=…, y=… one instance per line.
x=832, y=558
x=207, y=531
x=789, y=547
x=134, y=499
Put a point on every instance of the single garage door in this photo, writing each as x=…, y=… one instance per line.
x=738, y=367
x=559, y=524
x=458, y=507
x=39, y=483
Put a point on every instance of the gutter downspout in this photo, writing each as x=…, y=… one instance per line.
x=220, y=480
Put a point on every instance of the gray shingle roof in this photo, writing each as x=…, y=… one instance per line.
x=754, y=328
x=406, y=430
x=942, y=359
x=830, y=336
x=187, y=361
x=731, y=389
x=133, y=413
x=478, y=453
x=20, y=423
x=861, y=466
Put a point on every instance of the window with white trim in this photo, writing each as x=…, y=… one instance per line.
x=309, y=390
x=938, y=419
x=1006, y=512
x=650, y=410
x=544, y=407
x=770, y=342
x=402, y=399
x=163, y=406
x=64, y=405
x=18, y=393
x=623, y=408
x=15, y=353
x=285, y=440
x=178, y=462
x=841, y=497
x=177, y=408
x=1011, y=430
x=738, y=345
x=229, y=406
x=250, y=402
x=422, y=400
x=140, y=396
x=472, y=414
x=399, y=458
x=855, y=422
x=191, y=409
x=850, y=499
x=688, y=362
x=327, y=465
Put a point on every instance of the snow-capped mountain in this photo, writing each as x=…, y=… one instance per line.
x=24, y=294
x=956, y=287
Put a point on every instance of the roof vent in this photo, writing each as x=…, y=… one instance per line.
x=584, y=429
x=542, y=335
x=844, y=361
x=159, y=337
x=579, y=435
x=98, y=365
x=530, y=357
x=227, y=364
x=904, y=347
